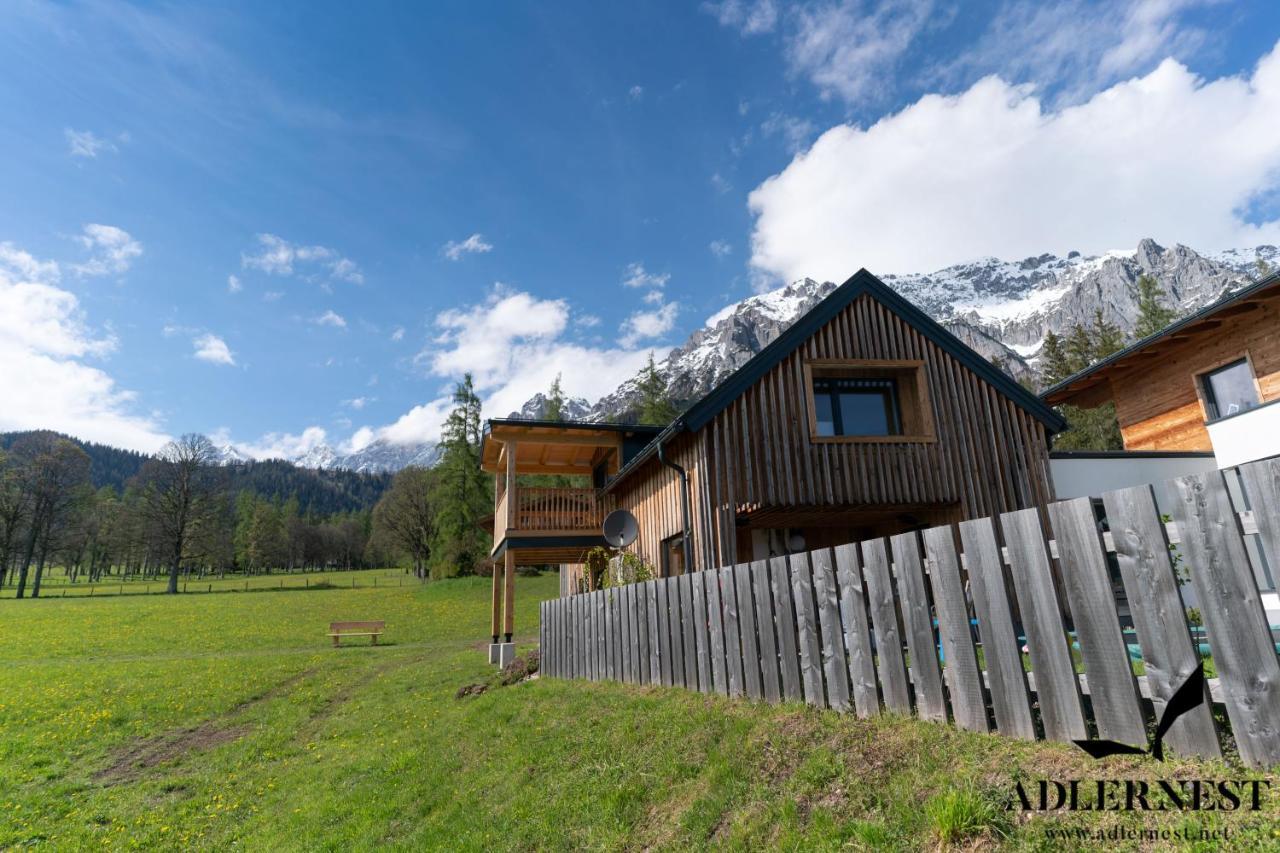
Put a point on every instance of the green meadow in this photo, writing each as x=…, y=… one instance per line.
x=226, y=720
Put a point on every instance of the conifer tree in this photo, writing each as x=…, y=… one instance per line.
x=463, y=493
x=554, y=410
x=1153, y=316
x=1053, y=360
x=656, y=405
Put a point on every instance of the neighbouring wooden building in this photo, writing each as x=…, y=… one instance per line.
x=864, y=418
x=1206, y=383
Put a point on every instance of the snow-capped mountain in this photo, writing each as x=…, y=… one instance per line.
x=374, y=458
x=574, y=409
x=1002, y=309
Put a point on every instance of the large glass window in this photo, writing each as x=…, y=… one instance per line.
x=1230, y=389
x=856, y=406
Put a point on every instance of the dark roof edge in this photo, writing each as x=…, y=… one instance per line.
x=1131, y=454
x=1203, y=314
x=718, y=398
x=608, y=426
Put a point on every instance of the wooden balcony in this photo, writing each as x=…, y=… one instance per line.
x=545, y=519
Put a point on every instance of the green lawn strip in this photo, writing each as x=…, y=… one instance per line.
x=244, y=729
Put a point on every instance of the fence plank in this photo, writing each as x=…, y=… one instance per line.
x=701, y=634
x=1057, y=689
x=1239, y=637
x=1158, y=615
x=642, y=634
x=807, y=630
x=619, y=637
x=747, y=631
x=719, y=676
x=964, y=681
x=1262, y=486
x=629, y=644
x=995, y=626
x=918, y=621
x=676, y=626
x=785, y=615
x=579, y=637
x=689, y=632
x=732, y=643
x=611, y=635
x=769, y=678
x=543, y=646
x=857, y=631
x=651, y=619
x=664, y=633
x=835, y=664
x=575, y=659
x=884, y=624
x=602, y=649
x=1113, y=689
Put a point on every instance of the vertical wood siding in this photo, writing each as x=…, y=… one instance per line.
x=989, y=455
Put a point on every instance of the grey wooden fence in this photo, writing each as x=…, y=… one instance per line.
x=896, y=624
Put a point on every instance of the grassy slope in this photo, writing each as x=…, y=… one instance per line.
x=250, y=731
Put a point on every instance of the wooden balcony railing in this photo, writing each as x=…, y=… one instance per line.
x=559, y=509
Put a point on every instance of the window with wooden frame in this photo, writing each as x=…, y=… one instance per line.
x=867, y=401
x=1229, y=389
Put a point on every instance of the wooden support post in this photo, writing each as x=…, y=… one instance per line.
x=509, y=613
x=496, y=620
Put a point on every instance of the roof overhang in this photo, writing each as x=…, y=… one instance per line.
x=553, y=447
x=1092, y=386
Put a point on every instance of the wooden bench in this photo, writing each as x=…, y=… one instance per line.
x=338, y=630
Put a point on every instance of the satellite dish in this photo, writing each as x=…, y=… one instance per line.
x=620, y=528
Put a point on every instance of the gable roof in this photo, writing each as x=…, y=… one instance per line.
x=862, y=282
x=1064, y=390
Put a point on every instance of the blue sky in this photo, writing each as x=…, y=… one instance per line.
x=283, y=224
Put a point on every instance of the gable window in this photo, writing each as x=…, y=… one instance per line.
x=866, y=400
x=1229, y=390
x=850, y=406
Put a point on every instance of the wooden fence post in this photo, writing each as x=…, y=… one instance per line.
x=835, y=664
x=785, y=613
x=857, y=631
x=732, y=641
x=1057, y=689
x=1112, y=686
x=995, y=626
x=769, y=677
x=918, y=621
x=884, y=624
x=1239, y=637
x=807, y=630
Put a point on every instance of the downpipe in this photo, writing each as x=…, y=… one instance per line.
x=687, y=540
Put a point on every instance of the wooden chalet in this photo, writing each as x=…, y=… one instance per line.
x=1208, y=382
x=864, y=418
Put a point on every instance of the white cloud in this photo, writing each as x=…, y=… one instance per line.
x=751, y=17
x=635, y=93
x=331, y=318
x=720, y=248
x=213, y=349
x=850, y=50
x=647, y=325
x=588, y=321
x=233, y=284
x=1080, y=46
x=720, y=183
x=358, y=403
x=112, y=250
x=46, y=382
x=398, y=334
x=272, y=295
x=283, y=445
x=637, y=276
x=992, y=172
x=474, y=244
x=277, y=256
x=794, y=132
x=83, y=143
x=514, y=345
